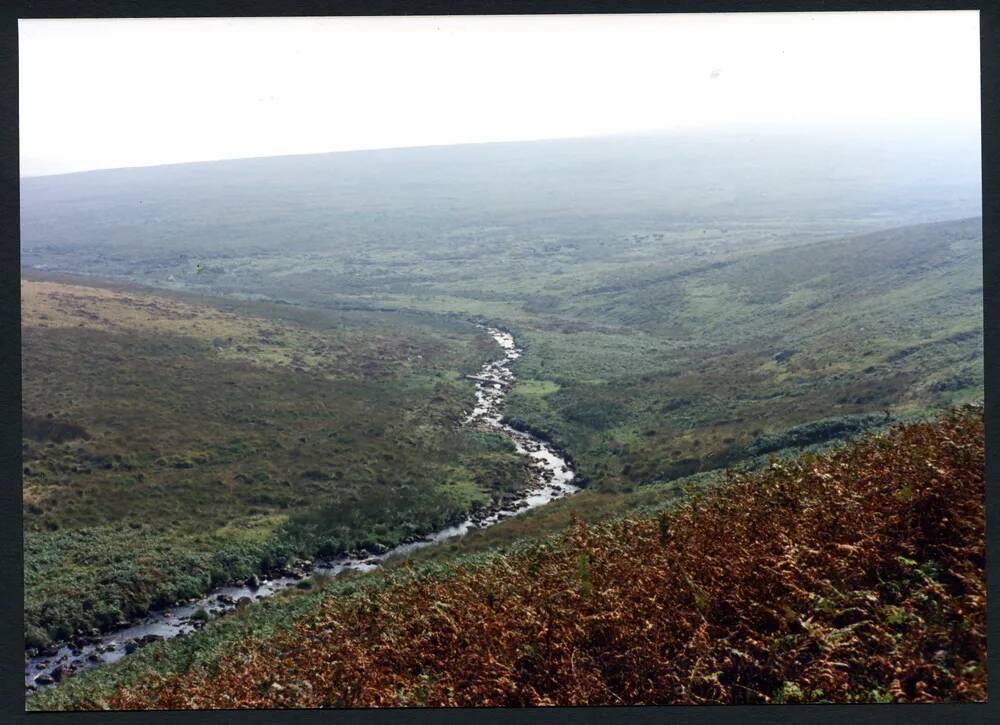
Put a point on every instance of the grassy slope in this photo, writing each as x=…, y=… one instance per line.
x=304, y=431
x=653, y=278
x=850, y=576
x=651, y=303
x=383, y=218
x=681, y=373
x=651, y=354
x=643, y=375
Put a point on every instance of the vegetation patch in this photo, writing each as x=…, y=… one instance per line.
x=828, y=586
x=158, y=465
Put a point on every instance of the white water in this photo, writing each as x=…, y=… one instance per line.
x=553, y=479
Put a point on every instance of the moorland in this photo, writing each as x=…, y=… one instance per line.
x=172, y=446
x=851, y=576
x=230, y=365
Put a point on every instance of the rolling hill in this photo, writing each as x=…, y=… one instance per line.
x=228, y=365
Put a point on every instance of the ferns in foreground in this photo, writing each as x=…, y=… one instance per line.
x=853, y=576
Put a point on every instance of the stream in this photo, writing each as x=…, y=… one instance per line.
x=553, y=478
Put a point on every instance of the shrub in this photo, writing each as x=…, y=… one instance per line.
x=199, y=615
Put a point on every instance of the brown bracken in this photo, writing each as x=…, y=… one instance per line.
x=856, y=575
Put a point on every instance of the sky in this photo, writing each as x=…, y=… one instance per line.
x=137, y=92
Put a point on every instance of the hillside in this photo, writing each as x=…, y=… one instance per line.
x=851, y=576
x=172, y=444
x=756, y=352
x=465, y=200
x=231, y=367
x=683, y=365
x=679, y=296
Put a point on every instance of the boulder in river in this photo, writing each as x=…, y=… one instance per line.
x=243, y=602
x=44, y=680
x=252, y=582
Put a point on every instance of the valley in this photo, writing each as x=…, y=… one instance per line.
x=551, y=478
x=290, y=376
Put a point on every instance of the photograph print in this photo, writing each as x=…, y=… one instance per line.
x=502, y=361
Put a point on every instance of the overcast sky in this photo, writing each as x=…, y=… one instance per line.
x=111, y=93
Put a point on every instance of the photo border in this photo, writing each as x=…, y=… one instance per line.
x=11, y=554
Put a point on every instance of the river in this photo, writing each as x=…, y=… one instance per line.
x=553, y=478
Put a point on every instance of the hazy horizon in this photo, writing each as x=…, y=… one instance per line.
x=105, y=94
x=953, y=131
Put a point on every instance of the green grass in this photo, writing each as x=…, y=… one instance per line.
x=535, y=388
x=685, y=360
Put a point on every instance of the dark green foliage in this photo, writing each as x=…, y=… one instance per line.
x=749, y=354
x=809, y=434
x=200, y=615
